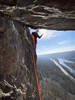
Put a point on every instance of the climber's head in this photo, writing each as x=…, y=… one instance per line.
x=37, y=30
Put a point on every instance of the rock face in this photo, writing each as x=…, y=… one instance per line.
x=50, y=14
x=16, y=64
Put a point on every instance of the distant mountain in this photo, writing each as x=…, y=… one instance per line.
x=70, y=54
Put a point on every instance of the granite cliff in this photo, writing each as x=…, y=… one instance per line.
x=16, y=64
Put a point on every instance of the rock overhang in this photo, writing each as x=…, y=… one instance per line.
x=48, y=14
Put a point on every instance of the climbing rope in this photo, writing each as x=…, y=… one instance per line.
x=35, y=71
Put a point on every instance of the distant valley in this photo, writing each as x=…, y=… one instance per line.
x=56, y=73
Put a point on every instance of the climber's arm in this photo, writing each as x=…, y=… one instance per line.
x=39, y=36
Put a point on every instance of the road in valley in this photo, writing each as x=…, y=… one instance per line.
x=60, y=63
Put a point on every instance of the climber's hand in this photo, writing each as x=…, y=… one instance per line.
x=42, y=34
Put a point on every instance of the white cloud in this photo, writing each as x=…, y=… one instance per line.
x=62, y=42
x=58, y=50
x=48, y=33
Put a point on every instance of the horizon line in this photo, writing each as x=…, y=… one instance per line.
x=53, y=52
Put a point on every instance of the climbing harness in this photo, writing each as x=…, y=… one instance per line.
x=35, y=72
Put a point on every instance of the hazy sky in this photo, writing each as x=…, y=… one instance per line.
x=55, y=41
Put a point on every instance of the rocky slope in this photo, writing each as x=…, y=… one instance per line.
x=16, y=64
x=50, y=14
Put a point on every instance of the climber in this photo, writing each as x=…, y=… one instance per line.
x=34, y=37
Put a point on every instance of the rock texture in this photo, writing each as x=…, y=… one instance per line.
x=50, y=14
x=16, y=64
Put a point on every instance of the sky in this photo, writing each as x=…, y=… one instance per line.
x=55, y=41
